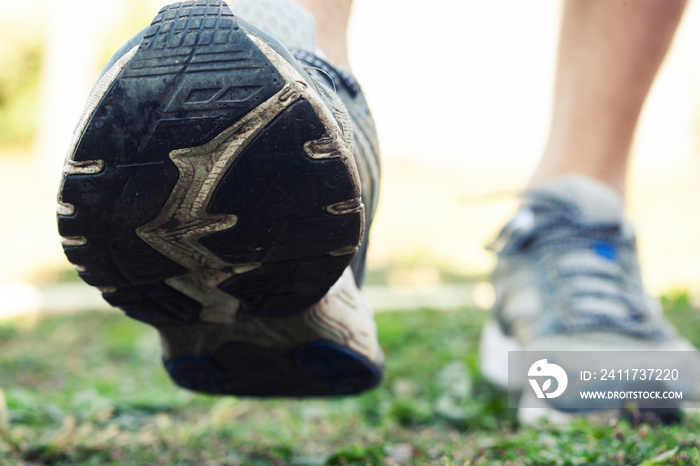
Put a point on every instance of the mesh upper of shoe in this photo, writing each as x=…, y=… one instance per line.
x=285, y=20
x=568, y=265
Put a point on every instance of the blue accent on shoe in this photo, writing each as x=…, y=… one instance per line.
x=194, y=372
x=340, y=369
x=605, y=250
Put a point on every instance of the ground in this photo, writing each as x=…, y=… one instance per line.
x=90, y=389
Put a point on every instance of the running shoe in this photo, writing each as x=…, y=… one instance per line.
x=567, y=279
x=214, y=190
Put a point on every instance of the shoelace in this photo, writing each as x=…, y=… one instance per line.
x=611, y=275
x=333, y=75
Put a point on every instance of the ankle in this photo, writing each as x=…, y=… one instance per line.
x=332, y=18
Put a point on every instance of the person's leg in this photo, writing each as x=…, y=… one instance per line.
x=567, y=275
x=332, y=18
x=609, y=53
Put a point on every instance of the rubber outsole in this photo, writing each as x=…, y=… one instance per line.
x=283, y=245
x=182, y=203
x=317, y=368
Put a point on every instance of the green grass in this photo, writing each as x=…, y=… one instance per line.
x=89, y=389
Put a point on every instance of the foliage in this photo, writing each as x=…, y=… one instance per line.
x=20, y=58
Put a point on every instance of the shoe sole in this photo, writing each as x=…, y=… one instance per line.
x=180, y=201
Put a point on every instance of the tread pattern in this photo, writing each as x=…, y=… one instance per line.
x=195, y=74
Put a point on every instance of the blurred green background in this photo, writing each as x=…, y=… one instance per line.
x=452, y=165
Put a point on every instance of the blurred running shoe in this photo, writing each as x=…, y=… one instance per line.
x=568, y=279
